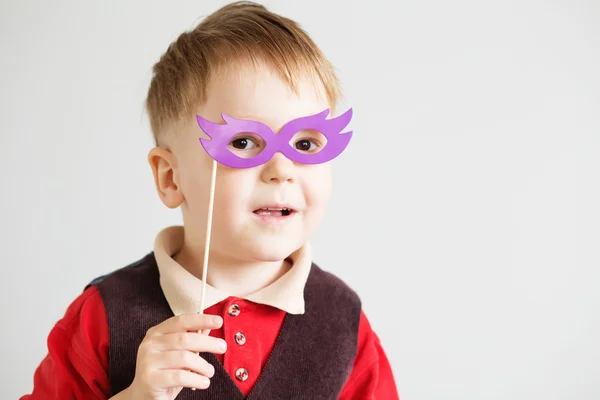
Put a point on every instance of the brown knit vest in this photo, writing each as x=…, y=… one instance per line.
x=311, y=359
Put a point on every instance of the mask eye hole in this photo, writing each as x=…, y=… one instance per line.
x=246, y=145
x=308, y=141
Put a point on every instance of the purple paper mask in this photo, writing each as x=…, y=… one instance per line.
x=221, y=135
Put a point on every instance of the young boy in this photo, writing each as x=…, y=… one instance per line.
x=275, y=326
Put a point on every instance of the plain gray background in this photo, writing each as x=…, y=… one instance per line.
x=465, y=212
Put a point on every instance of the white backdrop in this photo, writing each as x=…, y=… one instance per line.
x=465, y=211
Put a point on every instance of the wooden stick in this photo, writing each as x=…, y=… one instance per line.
x=211, y=203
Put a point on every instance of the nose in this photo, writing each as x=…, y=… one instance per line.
x=279, y=169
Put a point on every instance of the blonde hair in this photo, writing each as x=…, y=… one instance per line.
x=242, y=31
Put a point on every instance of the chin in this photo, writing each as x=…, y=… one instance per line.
x=272, y=250
x=271, y=255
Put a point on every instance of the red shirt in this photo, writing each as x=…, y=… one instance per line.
x=76, y=366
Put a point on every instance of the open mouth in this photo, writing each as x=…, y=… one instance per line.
x=274, y=212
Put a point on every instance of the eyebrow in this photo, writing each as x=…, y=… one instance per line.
x=251, y=117
x=256, y=119
x=276, y=131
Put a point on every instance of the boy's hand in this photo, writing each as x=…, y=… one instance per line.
x=167, y=359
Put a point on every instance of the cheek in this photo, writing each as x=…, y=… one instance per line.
x=194, y=175
x=234, y=188
x=317, y=185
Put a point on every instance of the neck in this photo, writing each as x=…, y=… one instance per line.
x=240, y=278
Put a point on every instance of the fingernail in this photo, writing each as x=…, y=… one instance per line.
x=204, y=381
x=222, y=345
x=217, y=320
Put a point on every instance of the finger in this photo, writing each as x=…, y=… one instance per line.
x=177, y=378
x=186, y=323
x=190, y=341
x=185, y=360
x=205, y=332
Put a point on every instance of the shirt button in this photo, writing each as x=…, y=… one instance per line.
x=240, y=338
x=234, y=310
x=241, y=374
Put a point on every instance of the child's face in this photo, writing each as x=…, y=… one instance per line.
x=242, y=227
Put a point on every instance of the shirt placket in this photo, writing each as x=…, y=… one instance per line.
x=237, y=359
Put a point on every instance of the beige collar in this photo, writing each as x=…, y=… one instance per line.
x=183, y=291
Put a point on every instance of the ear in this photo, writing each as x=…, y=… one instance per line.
x=166, y=176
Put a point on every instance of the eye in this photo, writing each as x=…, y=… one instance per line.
x=244, y=143
x=307, y=145
x=308, y=141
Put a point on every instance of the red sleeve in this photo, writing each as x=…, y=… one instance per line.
x=371, y=377
x=77, y=361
